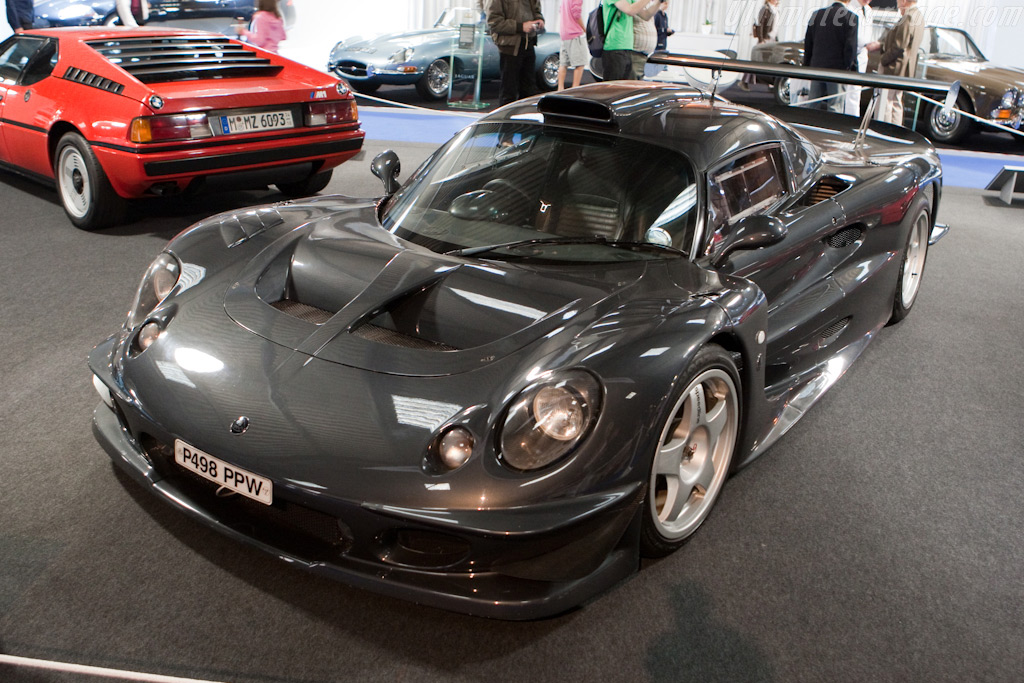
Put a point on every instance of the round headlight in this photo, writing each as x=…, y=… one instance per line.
x=157, y=283
x=403, y=55
x=546, y=421
x=1009, y=99
x=455, y=447
x=149, y=333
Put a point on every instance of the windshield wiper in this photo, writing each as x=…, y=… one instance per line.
x=588, y=239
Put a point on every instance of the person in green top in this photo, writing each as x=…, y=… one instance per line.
x=617, y=57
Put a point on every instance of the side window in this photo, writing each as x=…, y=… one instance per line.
x=15, y=55
x=41, y=66
x=745, y=186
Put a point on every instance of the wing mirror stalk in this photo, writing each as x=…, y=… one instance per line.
x=386, y=166
x=752, y=232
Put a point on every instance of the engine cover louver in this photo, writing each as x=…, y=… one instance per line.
x=92, y=80
x=159, y=59
x=826, y=188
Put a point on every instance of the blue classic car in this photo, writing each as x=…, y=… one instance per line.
x=206, y=15
x=423, y=58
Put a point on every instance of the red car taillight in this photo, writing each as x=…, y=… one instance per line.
x=334, y=111
x=170, y=127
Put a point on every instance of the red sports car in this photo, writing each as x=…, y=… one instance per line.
x=116, y=114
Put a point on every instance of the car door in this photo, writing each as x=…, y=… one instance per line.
x=24, y=61
x=795, y=274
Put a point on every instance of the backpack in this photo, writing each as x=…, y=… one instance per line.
x=595, y=30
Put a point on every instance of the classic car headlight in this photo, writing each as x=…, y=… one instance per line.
x=1009, y=99
x=403, y=55
x=157, y=283
x=548, y=419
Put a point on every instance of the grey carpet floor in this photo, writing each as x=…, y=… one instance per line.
x=881, y=539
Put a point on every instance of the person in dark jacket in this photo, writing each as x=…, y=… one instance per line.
x=661, y=26
x=831, y=43
x=21, y=14
x=514, y=26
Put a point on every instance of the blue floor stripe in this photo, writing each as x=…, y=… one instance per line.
x=403, y=125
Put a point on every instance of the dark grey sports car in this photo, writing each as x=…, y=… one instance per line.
x=496, y=388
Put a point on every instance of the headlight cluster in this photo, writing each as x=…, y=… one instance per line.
x=403, y=55
x=157, y=283
x=1009, y=99
x=548, y=419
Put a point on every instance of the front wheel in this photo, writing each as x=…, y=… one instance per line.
x=433, y=85
x=693, y=453
x=912, y=268
x=547, y=74
x=781, y=91
x=308, y=186
x=949, y=128
x=85, y=192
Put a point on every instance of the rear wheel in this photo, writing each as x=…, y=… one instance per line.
x=912, y=267
x=694, y=452
x=308, y=186
x=547, y=74
x=88, y=199
x=781, y=91
x=433, y=85
x=949, y=129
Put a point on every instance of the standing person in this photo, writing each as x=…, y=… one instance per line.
x=865, y=22
x=267, y=27
x=132, y=13
x=514, y=25
x=899, y=56
x=617, y=56
x=831, y=43
x=765, y=29
x=661, y=26
x=645, y=40
x=21, y=14
x=574, y=53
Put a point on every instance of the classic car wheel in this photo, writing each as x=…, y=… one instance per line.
x=912, y=267
x=781, y=91
x=693, y=454
x=89, y=200
x=307, y=187
x=547, y=74
x=947, y=129
x=434, y=83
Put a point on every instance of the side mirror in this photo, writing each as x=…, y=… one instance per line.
x=386, y=166
x=752, y=232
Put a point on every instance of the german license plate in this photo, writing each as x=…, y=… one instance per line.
x=242, y=482
x=248, y=123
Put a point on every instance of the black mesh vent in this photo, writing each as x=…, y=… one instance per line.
x=310, y=314
x=844, y=238
x=160, y=59
x=280, y=522
x=831, y=332
x=382, y=335
x=92, y=80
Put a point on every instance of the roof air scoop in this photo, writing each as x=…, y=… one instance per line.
x=575, y=108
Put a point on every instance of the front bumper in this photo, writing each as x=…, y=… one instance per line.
x=361, y=72
x=525, y=563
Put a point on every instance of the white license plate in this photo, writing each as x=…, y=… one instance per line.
x=242, y=482
x=247, y=123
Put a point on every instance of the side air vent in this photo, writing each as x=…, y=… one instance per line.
x=832, y=332
x=159, y=59
x=826, y=188
x=305, y=312
x=844, y=238
x=559, y=106
x=382, y=335
x=92, y=80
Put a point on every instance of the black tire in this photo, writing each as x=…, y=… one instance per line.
x=365, y=87
x=82, y=185
x=949, y=130
x=433, y=85
x=308, y=186
x=912, y=262
x=688, y=455
x=780, y=89
x=547, y=73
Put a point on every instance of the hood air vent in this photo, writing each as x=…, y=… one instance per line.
x=826, y=188
x=159, y=59
x=844, y=238
x=92, y=80
x=383, y=335
x=305, y=312
x=561, y=107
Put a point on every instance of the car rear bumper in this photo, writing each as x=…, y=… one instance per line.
x=556, y=556
x=141, y=171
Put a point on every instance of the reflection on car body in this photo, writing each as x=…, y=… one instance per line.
x=203, y=15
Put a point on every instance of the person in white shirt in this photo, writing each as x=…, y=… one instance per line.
x=861, y=8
